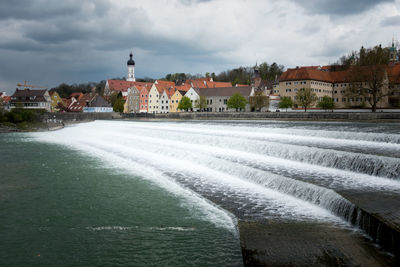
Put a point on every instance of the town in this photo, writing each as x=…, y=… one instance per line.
x=362, y=85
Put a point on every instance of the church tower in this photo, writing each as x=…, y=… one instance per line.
x=257, y=78
x=131, y=69
x=393, y=52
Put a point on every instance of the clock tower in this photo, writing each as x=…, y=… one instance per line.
x=131, y=69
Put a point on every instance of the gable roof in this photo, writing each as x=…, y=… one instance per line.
x=166, y=86
x=99, y=101
x=78, y=96
x=306, y=73
x=29, y=95
x=182, y=92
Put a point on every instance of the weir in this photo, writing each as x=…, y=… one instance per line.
x=275, y=178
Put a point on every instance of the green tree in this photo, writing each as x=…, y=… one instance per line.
x=237, y=101
x=119, y=105
x=185, y=103
x=201, y=103
x=286, y=102
x=326, y=103
x=259, y=101
x=306, y=98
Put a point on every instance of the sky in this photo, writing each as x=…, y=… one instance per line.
x=48, y=42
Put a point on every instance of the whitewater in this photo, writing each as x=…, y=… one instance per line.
x=222, y=171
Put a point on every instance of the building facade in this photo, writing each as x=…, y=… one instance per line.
x=31, y=99
x=132, y=103
x=56, y=101
x=338, y=85
x=217, y=98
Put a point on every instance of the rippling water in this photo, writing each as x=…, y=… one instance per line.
x=143, y=189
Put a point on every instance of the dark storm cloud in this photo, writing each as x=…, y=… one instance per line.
x=339, y=7
x=45, y=9
x=391, y=21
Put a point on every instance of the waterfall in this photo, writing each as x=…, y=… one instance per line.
x=252, y=171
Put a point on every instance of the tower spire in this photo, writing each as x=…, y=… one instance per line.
x=131, y=68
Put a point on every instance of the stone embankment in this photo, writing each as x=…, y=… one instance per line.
x=311, y=116
x=307, y=116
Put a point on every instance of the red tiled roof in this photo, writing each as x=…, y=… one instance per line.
x=77, y=96
x=81, y=103
x=314, y=73
x=197, y=83
x=305, y=73
x=6, y=99
x=166, y=86
x=218, y=84
x=122, y=86
x=183, y=87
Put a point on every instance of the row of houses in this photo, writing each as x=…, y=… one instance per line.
x=164, y=96
x=52, y=102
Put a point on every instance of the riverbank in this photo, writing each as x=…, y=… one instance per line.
x=303, y=116
x=70, y=117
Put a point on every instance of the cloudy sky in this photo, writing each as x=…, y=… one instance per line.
x=48, y=42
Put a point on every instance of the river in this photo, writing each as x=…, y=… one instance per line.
x=170, y=193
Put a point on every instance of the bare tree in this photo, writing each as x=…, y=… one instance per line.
x=259, y=101
x=306, y=98
x=371, y=83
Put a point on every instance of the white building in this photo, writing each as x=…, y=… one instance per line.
x=193, y=96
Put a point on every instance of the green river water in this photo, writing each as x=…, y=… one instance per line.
x=59, y=207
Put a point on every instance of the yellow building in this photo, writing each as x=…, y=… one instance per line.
x=176, y=97
x=55, y=101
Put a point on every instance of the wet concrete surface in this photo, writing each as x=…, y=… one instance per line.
x=277, y=243
x=383, y=205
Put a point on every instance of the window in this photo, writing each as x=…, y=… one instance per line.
x=225, y=101
x=210, y=101
x=166, y=101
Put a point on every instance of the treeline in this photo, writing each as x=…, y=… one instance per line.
x=65, y=90
x=364, y=57
x=241, y=75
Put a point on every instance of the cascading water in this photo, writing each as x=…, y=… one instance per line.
x=253, y=170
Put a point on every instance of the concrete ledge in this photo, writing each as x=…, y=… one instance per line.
x=80, y=116
x=314, y=116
